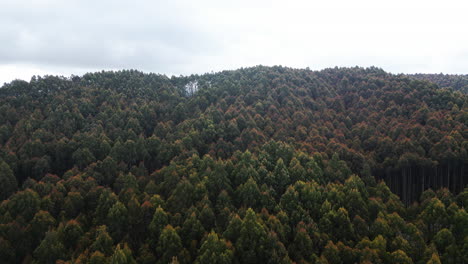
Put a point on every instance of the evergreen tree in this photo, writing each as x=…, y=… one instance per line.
x=214, y=250
x=8, y=183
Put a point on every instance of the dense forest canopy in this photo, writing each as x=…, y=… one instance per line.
x=256, y=165
x=457, y=82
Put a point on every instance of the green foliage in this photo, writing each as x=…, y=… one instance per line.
x=50, y=249
x=214, y=250
x=256, y=165
x=103, y=241
x=252, y=239
x=122, y=256
x=169, y=245
x=8, y=183
x=25, y=203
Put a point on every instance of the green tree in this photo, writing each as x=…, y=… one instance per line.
x=332, y=253
x=122, y=256
x=158, y=223
x=250, y=246
x=434, y=215
x=83, y=157
x=125, y=181
x=233, y=229
x=8, y=183
x=434, y=259
x=214, y=250
x=25, y=203
x=71, y=233
x=73, y=204
x=248, y=193
x=400, y=257
x=103, y=241
x=98, y=258
x=117, y=219
x=302, y=246
x=336, y=169
x=192, y=232
x=281, y=178
x=7, y=251
x=443, y=239
x=40, y=224
x=169, y=245
x=50, y=249
x=182, y=196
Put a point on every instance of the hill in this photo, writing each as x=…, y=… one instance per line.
x=256, y=165
x=457, y=82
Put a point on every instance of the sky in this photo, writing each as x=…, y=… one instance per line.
x=179, y=37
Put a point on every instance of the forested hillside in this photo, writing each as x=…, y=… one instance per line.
x=458, y=82
x=256, y=165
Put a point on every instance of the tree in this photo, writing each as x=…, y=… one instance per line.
x=336, y=169
x=7, y=251
x=122, y=256
x=50, y=249
x=434, y=259
x=460, y=224
x=97, y=258
x=296, y=171
x=233, y=229
x=71, y=233
x=250, y=246
x=169, y=245
x=83, y=157
x=125, y=181
x=331, y=253
x=117, y=219
x=146, y=255
x=103, y=242
x=400, y=257
x=158, y=223
x=443, y=239
x=434, y=215
x=337, y=224
x=281, y=178
x=8, y=183
x=214, y=250
x=106, y=201
x=40, y=224
x=192, y=232
x=73, y=204
x=181, y=197
x=25, y=203
x=302, y=246
x=248, y=193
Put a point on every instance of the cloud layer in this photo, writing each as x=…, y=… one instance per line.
x=184, y=37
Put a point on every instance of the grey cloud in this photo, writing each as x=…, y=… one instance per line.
x=186, y=36
x=107, y=35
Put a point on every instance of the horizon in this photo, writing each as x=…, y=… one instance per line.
x=70, y=75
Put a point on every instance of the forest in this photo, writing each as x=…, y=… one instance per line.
x=255, y=165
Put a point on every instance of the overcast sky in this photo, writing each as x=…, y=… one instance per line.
x=176, y=37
